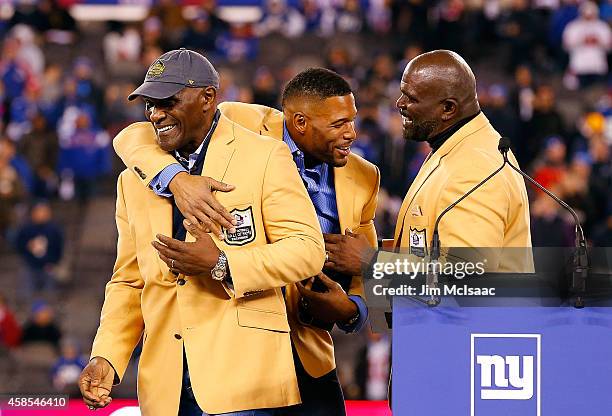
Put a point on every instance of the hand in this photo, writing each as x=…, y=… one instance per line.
x=191, y=259
x=332, y=306
x=96, y=382
x=346, y=253
x=194, y=198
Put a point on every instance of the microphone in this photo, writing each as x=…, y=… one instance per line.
x=580, y=261
x=432, y=273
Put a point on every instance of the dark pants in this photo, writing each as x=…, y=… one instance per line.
x=320, y=396
x=189, y=407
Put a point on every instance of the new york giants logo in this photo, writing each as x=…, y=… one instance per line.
x=496, y=364
x=505, y=374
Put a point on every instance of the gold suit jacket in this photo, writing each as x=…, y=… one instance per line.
x=236, y=340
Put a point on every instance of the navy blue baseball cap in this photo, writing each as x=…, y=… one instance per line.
x=175, y=70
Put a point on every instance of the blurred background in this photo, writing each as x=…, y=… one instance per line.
x=66, y=68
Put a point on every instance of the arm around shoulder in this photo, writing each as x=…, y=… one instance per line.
x=137, y=147
x=295, y=248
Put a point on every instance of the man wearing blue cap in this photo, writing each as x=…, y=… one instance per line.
x=215, y=334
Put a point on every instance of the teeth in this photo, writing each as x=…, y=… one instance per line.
x=164, y=129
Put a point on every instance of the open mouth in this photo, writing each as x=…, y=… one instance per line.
x=344, y=150
x=165, y=129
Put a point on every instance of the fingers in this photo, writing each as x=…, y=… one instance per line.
x=309, y=283
x=350, y=233
x=88, y=385
x=85, y=387
x=172, y=243
x=172, y=264
x=306, y=291
x=214, y=209
x=332, y=238
x=194, y=228
x=221, y=218
x=166, y=251
x=215, y=185
x=178, y=267
x=329, y=283
x=330, y=265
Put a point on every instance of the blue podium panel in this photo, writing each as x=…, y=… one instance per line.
x=498, y=361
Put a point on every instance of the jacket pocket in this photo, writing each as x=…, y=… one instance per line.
x=255, y=318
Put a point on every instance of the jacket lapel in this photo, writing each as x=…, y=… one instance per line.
x=219, y=153
x=345, y=197
x=431, y=164
x=160, y=217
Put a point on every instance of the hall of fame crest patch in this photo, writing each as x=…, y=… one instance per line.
x=418, y=242
x=245, y=228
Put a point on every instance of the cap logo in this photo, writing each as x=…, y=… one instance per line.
x=156, y=69
x=191, y=81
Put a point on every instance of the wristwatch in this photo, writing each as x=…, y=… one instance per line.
x=354, y=319
x=219, y=272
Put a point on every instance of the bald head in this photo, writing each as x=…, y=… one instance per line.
x=438, y=89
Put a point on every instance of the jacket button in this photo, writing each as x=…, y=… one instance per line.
x=177, y=336
x=181, y=282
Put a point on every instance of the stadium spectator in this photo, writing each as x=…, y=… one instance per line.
x=374, y=367
x=349, y=17
x=23, y=109
x=199, y=35
x=39, y=148
x=550, y=226
x=13, y=72
x=12, y=189
x=84, y=154
x=40, y=243
x=518, y=27
x=313, y=16
x=545, y=122
x=10, y=331
x=500, y=113
x=265, y=90
x=41, y=326
x=238, y=44
x=66, y=370
x=170, y=15
x=29, y=52
x=588, y=40
x=279, y=18
x=122, y=48
x=550, y=170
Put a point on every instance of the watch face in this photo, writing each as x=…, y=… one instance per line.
x=218, y=274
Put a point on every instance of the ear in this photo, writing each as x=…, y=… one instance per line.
x=300, y=122
x=208, y=96
x=449, y=109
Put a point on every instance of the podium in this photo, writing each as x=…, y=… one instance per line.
x=501, y=360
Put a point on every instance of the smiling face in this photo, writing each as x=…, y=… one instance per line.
x=420, y=107
x=327, y=128
x=180, y=121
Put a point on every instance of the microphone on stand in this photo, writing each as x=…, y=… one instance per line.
x=432, y=274
x=580, y=258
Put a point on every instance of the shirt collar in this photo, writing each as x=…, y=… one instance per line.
x=193, y=157
x=293, y=148
x=438, y=140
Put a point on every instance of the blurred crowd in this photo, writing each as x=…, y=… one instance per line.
x=542, y=68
